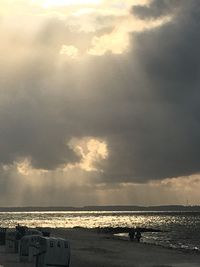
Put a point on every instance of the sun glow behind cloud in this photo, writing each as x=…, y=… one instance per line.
x=56, y=3
x=70, y=51
x=92, y=17
x=118, y=41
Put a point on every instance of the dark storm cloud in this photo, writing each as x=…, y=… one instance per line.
x=164, y=139
x=143, y=103
x=157, y=8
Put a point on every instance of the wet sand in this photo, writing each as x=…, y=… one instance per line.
x=90, y=249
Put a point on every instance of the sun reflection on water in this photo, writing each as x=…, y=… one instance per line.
x=91, y=219
x=179, y=229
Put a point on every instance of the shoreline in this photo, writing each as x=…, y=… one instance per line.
x=92, y=249
x=186, y=250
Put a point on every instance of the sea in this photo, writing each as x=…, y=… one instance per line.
x=180, y=230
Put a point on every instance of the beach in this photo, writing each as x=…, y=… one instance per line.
x=92, y=249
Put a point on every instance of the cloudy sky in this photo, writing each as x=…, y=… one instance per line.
x=99, y=102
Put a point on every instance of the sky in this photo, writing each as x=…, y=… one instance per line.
x=99, y=102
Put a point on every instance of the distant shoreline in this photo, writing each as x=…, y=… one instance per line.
x=128, y=208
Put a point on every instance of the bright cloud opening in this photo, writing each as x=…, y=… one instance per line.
x=92, y=151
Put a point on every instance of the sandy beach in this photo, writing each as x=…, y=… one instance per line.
x=91, y=249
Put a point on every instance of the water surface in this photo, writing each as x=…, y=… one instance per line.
x=182, y=229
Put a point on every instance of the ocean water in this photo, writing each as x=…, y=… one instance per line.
x=181, y=229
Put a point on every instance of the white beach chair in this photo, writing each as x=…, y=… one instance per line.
x=34, y=248
x=29, y=247
x=53, y=252
x=11, y=244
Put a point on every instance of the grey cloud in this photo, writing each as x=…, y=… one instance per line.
x=164, y=140
x=157, y=8
x=144, y=103
x=156, y=122
x=32, y=123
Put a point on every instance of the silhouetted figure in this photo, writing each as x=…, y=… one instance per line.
x=138, y=235
x=131, y=234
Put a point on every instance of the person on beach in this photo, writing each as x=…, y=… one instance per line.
x=132, y=234
x=138, y=235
